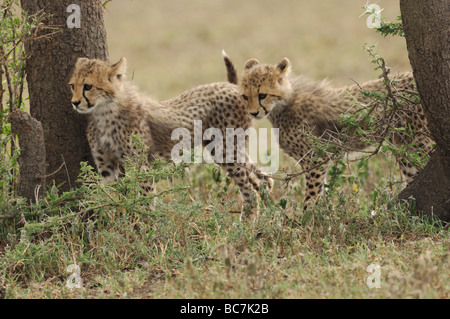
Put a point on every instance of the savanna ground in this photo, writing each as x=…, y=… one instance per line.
x=190, y=244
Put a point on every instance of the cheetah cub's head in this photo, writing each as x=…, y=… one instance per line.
x=265, y=86
x=95, y=84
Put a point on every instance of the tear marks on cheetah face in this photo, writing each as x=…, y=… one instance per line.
x=95, y=83
x=265, y=86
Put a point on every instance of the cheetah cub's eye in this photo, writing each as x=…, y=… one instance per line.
x=87, y=87
x=245, y=97
x=72, y=87
x=262, y=96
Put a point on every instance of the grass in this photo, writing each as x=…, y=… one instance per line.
x=187, y=248
x=186, y=243
x=189, y=245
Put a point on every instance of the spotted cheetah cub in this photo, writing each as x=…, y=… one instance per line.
x=298, y=107
x=117, y=111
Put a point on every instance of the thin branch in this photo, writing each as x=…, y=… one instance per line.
x=67, y=171
x=105, y=3
x=51, y=174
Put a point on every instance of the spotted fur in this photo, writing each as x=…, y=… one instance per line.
x=117, y=111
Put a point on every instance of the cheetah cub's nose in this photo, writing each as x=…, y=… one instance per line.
x=76, y=103
x=254, y=114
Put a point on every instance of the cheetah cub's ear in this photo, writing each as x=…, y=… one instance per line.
x=283, y=68
x=118, y=70
x=80, y=62
x=250, y=64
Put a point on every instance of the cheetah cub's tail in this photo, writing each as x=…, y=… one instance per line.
x=231, y=70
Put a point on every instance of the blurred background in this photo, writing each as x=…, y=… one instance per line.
x=173, y=45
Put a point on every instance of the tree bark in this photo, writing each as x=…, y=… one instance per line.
x=427, y=32
x=48, y=68
x=32, y=182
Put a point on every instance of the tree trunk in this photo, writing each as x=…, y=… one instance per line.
x=427, y=32
x=32, y=183
x=49, y=63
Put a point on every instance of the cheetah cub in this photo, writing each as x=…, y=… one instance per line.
x=117, y=111
x=298, y=107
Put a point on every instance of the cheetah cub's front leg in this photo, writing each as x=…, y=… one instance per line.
x=315, y=181
x=250, y=182
x=108, y=165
